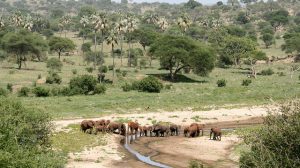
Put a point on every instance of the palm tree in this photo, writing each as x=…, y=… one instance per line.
x=2, y=24
x=162, y=24
x=17, y=19
x=84, y=21
x=65, y=21
x=28, y=22
x=96, y=23
x=120, y=29
x=112, y=39
x=131, y=25
x=184, y=23
x=103, y=27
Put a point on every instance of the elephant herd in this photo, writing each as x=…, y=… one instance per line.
x=158, y=130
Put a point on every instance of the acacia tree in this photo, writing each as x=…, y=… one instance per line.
x=59, y=45
x=277, y=18
x=176, y=53
x=23, y=43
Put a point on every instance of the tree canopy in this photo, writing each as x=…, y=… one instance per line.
x=176, y=53
x=59, y=45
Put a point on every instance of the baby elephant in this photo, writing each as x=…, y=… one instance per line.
x=87, y=125
x=174, y=129
x=216, y=132
x=100, y=128
x=186, y=131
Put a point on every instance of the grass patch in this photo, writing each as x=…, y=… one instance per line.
x=75, y=140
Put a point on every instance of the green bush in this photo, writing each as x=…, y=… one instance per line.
x=23, y=92
x=54, y=64
x=41, y=91
x=246, y=82
x=126, y=87
x=9, y=87
x=74, y=71
x=124, y=73
x=25, y=137
x=53, y=78
x=39, y=76
x=100, y=89
x=89, y=69
x=281, y=74
x=103, y=69
x=110, y=67
x=135, y=85
x=3, y=92
x=86, y=47
x=195, y=164
x=221, y=83
x=84, y=83
x=276, y=142
x=267, y=72
x=168, y=86
x=150, y=84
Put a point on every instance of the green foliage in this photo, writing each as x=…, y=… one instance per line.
x=268, y=39
x=23, y=43
x=41, y=91
x=277, y=18
x=235, y=30
x=192, y=4
x=150, y=84
x=91, y=57
x=242, y=18
x=100, y=89
x=267, y=72
x=54, y=64
x=24, y=140
x=3, y=55
x=48, y=33
x=23, y=92
x=126, y=87
x=145, y=36
x=195, y=164
x=176, y=53
x=103, y=69
x=135, y=53
x=86, y=47
x=53, y=78
x=84, y=84
x=74, y=71
x=221, y=83
x=59, y=45
x=246, y=82
x=3, y=92
x=276, y=143
x=292, y=40
x=89, y=69
x=9, y=87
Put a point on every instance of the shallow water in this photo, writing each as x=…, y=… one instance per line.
x=145, y=159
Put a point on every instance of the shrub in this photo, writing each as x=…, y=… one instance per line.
x=135, y=85
x=110, y=67
x=66, y=91
x=54, y=64
x=267, y=72
x=3, y=92
x=100, y=89
x=53, y=78
x=9, y=87
x=246, y=82
x=11, y=72
x=23, y=92
x=41, y=91
x=86, y=47
x=118, y=70
x=126, y=87
x=150, y=84
x=281, y=74
x=276, y=142
x=103, y=69
x=168, y=86
x=221, y=83
x=55, y=91
x=25, y=137
x=124, y=73
x=85, y=83
x=195, y=164
x=74, y=71
x=39, y=76
x=89, y=69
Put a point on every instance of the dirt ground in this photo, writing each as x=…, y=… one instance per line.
x=175, y=151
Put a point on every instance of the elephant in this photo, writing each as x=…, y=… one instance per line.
x=186, y=131
x=87, y=125
x=133, y=126
x=100, y=122
x=150, y=129
x=117, y=126
x=200, y=127
x=174, y=129
x=100, y=128
x=143, y=130
x=193, y=131
x=160, y=130
x=216, y=133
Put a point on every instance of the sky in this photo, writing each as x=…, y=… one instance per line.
x=206, y=2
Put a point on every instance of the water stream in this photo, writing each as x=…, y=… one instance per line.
x=145, y=159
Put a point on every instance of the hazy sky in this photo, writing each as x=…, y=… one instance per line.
x=177, y=1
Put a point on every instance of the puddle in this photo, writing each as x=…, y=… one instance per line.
x=146, y=159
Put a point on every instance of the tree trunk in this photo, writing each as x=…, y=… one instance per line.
x=59, y=53
x=113, y=55
x=121, y=43
x=102, y=40
x=95, y=40
x=19, y=62
x=171, y=74
x=129, y=56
